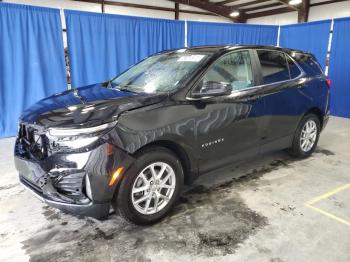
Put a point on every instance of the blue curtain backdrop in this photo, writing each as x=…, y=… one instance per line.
x=207, y=33
x=312, y=37
x=339, y=68
x=101, y=46
x=31, y=60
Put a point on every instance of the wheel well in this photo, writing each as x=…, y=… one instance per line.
x=318, y=113
x=179, y=152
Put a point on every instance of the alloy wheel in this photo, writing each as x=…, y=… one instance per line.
x=308, y=135
x=153, y=188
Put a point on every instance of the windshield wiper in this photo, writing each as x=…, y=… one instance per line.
x=124, y=88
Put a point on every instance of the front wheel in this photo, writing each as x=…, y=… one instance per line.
x=150, y=188
x=306, y=137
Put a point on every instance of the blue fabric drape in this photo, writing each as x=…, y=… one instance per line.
x=339, y=68
x=207, y=33
x=312, y=37
x=31, y=60
x=101, y=46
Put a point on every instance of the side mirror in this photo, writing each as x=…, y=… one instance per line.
x=211, y=88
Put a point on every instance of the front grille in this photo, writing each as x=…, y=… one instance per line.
x=33, y=141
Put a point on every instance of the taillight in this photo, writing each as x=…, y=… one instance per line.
x=329, y=83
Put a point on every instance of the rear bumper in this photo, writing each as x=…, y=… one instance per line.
x=325, y=120
x=76, y=182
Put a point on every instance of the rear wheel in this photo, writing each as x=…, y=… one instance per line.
x=306, y=137
x=150, y=188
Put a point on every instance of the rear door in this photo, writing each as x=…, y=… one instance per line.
x=282, y=81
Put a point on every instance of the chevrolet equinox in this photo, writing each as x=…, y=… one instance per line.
x=132, y=142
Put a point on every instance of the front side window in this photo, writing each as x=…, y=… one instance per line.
x=274, y=66
x=160, y=73
x=234, y=68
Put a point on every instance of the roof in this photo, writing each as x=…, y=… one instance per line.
x=218, y=48
x=221, y=49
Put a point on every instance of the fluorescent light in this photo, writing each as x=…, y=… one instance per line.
x=234, y=13
x=295, y=2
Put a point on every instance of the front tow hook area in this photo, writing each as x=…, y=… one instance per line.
x=49, y=195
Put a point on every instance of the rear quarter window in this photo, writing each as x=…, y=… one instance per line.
x=293, y=68
x=309, y=65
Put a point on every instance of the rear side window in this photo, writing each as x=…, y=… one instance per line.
x=309, y=65
x=293, y=68
x=274, y=67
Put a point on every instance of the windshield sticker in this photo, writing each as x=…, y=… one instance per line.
x=191, y=58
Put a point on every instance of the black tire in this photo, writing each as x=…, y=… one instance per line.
x=122, y=202
x=296, y=150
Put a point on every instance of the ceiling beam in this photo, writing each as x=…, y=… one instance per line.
x=249, y=3
x=226, y=2
x=103, y=6
x=211, y=7
x=149, y=7
x=327, y=2
x=286, y=3
x=269, y=12
x=262, y=7
x=177, y=11
x=303, y=12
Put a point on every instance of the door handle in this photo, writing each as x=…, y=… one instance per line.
x=253, y=98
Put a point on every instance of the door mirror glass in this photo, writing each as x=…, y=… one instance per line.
x=212, y=88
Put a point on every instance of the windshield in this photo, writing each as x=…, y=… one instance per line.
x=160, y=73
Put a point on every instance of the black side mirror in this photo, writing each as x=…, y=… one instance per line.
x=211, y=88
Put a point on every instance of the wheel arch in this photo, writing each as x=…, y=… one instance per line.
x=188, y=162
x=317, y=112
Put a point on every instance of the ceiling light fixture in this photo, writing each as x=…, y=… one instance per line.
x=295, y=2
x=234, y=13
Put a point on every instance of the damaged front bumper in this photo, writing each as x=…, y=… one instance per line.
x=90, y=209
x=73, y=182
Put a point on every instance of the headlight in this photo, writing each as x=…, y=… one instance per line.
x=69, y=132
x=76, y=137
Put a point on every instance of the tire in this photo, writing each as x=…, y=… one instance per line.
x=125, y=199
x=298, y=148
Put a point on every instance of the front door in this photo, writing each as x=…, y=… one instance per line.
x=227, y=127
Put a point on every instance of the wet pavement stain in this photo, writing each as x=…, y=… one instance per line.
x=102, y=234
x=325, y=152
x=6, y=187
x=51, y=213
x=208, y=221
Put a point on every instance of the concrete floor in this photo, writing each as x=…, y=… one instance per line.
x=257, y=211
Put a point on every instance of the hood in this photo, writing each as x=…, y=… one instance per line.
x=86, y=106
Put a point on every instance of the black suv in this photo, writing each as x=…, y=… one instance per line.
x=133, y=141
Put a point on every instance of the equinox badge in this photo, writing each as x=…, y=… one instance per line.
x=211, y=143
